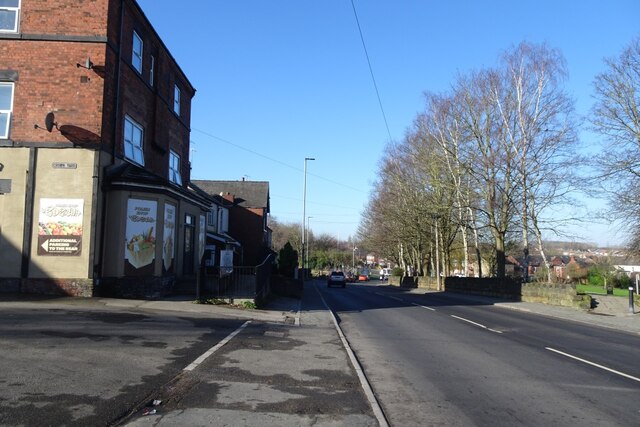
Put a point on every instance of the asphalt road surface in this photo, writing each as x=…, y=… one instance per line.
x=437, y=360
x=91, y=367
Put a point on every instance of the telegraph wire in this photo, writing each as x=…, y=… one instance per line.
x=375, y=85
x=217, y=138
x=277, y=196
x=246, y=149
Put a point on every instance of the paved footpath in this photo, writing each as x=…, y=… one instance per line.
x=268, y=374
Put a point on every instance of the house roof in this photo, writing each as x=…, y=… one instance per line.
x=248, y=194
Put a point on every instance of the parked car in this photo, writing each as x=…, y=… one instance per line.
x=363, y=277
x=337, y=278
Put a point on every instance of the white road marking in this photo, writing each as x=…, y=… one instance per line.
x=468, y=321
x=593, y=364
x=476, y=324
x=424, y=306
x=215, y=348
x=395, y=298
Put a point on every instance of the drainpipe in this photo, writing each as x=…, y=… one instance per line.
x=98, y=270
x=28, y=213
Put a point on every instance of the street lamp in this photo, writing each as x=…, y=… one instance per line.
x=353, y=259
x=308, y=242
x=304, y=207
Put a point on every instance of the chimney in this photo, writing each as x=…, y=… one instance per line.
x=228, y=196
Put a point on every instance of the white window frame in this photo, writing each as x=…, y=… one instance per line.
x=151, y=70
x=223, y=220
x=136, y=56
x=15, y=9
x=211, y=218
x=4, y=132
x=174, y=168
x=133, y=144
x=176, y=99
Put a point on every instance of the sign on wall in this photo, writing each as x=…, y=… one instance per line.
x=60, y=227
x=169, y=236
x=140, y=246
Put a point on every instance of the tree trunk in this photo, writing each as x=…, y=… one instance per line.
x=500, y=255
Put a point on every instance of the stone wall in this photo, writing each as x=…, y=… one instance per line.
x=287, y=286
x=488, y=286
x=51, y=286
x=563, y=294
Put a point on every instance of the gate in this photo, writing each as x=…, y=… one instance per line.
x=239, y=282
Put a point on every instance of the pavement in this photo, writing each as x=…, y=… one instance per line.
x=279, y=310
x=289, y=366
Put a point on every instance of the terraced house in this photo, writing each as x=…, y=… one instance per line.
x=94, y=145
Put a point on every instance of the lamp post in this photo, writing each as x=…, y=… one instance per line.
x=304, y=208
x=353, y=259
x=308, y=242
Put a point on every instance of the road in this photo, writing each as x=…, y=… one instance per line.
x=437, y=360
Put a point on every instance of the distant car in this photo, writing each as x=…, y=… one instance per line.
x=363, y=277
x=337, y=278
x=349, y=277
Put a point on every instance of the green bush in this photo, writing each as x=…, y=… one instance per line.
x=621, y=281
x=595, y=277
x=287, y=260
x=397, y=271
x=249, y=305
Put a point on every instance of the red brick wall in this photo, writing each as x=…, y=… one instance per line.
x=48, y=80
x=64, y=17
x=82, y=100
x=247, y=226
x=152, y=107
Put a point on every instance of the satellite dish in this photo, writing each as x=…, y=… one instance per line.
x=87, y=64
x=49, y=121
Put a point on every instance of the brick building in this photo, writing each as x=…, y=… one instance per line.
x=248, y=214
x=94, y=146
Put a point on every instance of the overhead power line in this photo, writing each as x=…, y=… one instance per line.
x=276, y=160
x=373, y=78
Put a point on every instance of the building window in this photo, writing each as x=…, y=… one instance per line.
x=136, y=55
x=211, y=217
x=133, y=136
x=151, y=70
x=6, y=106
x=9, y=12
x=174, y=168
x=176, y=99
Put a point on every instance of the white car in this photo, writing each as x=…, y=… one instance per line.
x=337, y=278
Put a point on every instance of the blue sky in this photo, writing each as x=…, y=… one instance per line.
x=281, y=80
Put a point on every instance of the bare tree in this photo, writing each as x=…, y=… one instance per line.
x=491, y=162
x=486, y=156
x=616, y=115
x=282, y=232
x=538, y=118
